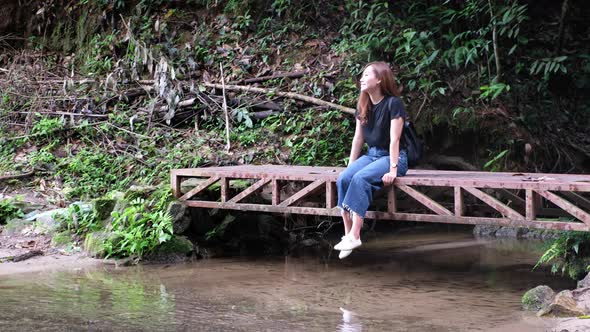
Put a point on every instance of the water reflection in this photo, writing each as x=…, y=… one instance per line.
x=77, y=300
x=350, y=322
x=442, y=282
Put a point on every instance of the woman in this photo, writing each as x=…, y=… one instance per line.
x=380, y=120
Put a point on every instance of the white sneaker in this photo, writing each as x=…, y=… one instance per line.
x=348, y=243
x=342, y=241
x=344, y=253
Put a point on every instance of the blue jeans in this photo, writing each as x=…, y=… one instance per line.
x=359, y=181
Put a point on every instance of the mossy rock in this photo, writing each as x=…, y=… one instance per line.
x=537, y=298
x=61, y=239
x=181, y=220
x=120, y=203
x=176, y=245
x=139, y=192
x=103, y=208
x=177, y=249
x=94, y=243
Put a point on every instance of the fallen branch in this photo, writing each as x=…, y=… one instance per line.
x=270, y=77
x=90, y=115
x=22, y=257
x=16, y=176
x=311, y=100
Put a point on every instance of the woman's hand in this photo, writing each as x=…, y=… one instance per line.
x=388, y=178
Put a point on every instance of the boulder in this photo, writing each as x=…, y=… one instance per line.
x=537, y=298
x=46, y=221
x=177, y=249
x=121, y=203
x=584, y=282
x=103, y=208
x=181, y=218
x=485, y=230
x=139, y=191
x=564, y=305
x=94, y=243
x=509, y=232
x=572, y=325
x=582, y=297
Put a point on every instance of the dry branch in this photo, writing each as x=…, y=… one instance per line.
x=16, y=176
x=310, y=100
x=22, y=257
x=270, y=77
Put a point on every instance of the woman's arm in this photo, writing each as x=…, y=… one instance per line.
x=357, y=143
x=397, y=125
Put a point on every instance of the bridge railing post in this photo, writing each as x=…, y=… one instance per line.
x=331, y=199
x=459, y=205
x=391, y=200
x=532, y=204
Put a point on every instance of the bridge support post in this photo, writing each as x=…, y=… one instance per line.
x=532, y=204
x=391, y=200
x=459, y=205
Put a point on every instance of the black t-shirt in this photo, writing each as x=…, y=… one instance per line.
x=377, y=129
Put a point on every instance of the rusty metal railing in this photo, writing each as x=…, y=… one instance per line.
x=532, y=200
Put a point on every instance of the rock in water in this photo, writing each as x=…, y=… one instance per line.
x=537, y=298
x=564, y=305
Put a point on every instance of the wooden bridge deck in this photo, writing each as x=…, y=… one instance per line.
x=531, y=200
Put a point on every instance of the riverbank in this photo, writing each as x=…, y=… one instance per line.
x=45, y=257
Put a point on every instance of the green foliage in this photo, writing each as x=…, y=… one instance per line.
x=98, y=57
x=139, y=228
x=46, y=127
x=569, y=254
x=313, y=138
x=494, y=164
x=43, y=156
x=492, y=91
x=78, y=220
x=93, y=172
x=547, y=68
x=367, y=35
x=7, y=150
x=9, y=210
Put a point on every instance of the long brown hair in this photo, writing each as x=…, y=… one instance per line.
x=388, y=88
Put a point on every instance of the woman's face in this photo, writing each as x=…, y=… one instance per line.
x=369, y=81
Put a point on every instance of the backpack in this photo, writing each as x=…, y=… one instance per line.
x=412, y=143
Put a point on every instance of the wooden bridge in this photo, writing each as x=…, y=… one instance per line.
x=532, y=200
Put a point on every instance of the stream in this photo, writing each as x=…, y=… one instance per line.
x=417, y=280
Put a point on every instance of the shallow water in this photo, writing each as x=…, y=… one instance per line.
x=405, y=282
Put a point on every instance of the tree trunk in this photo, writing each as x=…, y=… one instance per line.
x=559, y=44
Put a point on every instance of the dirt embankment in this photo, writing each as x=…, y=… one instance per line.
x=26, y=251
x=16, y=251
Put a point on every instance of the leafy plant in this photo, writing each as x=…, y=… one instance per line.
x=569, y=254
x=492, y=91
x=9, y=210
x=139, y=228
x=92, y=173
x=47, y=126
x=493, y=164
x=78, y=220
